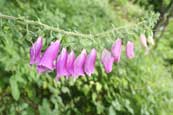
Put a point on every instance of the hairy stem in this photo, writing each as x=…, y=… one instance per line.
x=55, y=29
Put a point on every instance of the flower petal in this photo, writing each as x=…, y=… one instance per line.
x=79, y=64
x=70, y=63
x=35, y=51
x=116, y=50
x=107, y=60
x=90, y=62
x=61, y=64
x=50, y=55
x=130, y=50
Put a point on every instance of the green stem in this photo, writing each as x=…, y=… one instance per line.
x=55, y=29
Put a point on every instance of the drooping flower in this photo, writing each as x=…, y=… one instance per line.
x=143, y=41
x=35, y=51
x=70, y=63
x=49, y=56
x=90, y=62
x=107, y=60
x=116, y=50
x=79, y=64
x=61, y=64
x=130, y=50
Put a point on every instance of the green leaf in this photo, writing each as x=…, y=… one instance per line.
x=127, y=105
x=98, y=87
x=117, y=105
x=14, y=88
x=100, y=107
x=65, y=90
x=111, y=111
x=44, y=109
x=85, y=89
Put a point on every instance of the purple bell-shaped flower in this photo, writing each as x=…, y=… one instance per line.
x=130, y=50
x=79, y=64
x=116, y=50
x=90, y=62
x=35, y=51
x=61, y=64
x=107, y=60
x=48, y=59
x=70, y=63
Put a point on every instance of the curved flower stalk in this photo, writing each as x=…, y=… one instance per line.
x=35, y=51
x=70, y=63
x=130, y=50
x=143, y=41
x=79, y=64
x=107, y=60
x=61, y=64
x=90, y=62
x=116, y=50
x=48, y=58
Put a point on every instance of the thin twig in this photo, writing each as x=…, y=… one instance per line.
x=55, y=29
x=118, y=28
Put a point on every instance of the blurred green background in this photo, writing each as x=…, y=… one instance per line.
x=141, y=86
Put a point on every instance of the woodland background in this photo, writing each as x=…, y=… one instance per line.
x=141, y=86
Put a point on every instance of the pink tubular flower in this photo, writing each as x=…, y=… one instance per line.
x=116, y=50
x=143, y=41
x=48, y=58
x=35, y=51
x=61, y=64
x=107, y=60
x=90, y=62
x=79, y=64
x=70, y=63
x=130, y=50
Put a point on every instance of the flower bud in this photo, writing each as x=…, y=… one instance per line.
x=130, y=50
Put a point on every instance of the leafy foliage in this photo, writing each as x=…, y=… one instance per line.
x=139, y=86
